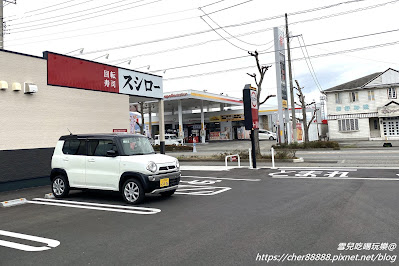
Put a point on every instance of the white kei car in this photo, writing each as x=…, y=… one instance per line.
x=116, y=162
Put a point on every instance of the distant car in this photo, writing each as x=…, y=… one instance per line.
x=170, y=139
x=266, y=134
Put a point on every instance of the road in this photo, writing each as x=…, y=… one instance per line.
x=234, y=217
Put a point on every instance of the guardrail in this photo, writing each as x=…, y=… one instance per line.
x=232, y=156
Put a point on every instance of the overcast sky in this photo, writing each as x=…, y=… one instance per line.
x=174, y=35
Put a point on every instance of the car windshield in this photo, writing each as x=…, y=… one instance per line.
x=136, y=146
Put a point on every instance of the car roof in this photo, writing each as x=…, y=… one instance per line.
x=100, y=135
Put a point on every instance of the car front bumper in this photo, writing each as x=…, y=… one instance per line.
x=153, y=185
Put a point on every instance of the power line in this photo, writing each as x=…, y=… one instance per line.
x=194, y=33
x=230, y=7
x=266, y=52
x=220, y=27
x=239, y=24
x=32, y=11
x=213, y=3
x=107, y=9
x=310, y=65
x=222, y=35
x=296, y=59
x=109, y=24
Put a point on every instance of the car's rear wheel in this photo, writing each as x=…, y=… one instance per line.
x=60, y=186
x=168, y=193
x=132, y=191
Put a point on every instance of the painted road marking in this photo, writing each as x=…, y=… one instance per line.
x=222, y=178
x=51, y=243
x=200, y=190
x=340, y=178
x=320, y=169
x=91, y=206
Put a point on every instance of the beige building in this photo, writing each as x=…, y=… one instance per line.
x=34, y=115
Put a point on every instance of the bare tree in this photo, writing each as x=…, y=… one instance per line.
x=262, y=71
x=303, y=105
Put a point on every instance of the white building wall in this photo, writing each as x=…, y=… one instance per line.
x=38, y=120
x=363, y=133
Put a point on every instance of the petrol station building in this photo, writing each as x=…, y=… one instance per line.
x=201, y=116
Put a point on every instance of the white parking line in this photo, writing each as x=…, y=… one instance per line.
x=205, y=168
x=200, y=190
x=89, y=205
x=222, y=178
x=51, y=243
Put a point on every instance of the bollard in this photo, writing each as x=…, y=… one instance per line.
x=250, y=158
x=272, y=151
x=194, y=147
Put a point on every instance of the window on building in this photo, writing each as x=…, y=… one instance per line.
x=348, y=124
x=337, y=98
x=371, y=95
x=354, y=96
x=391, y=93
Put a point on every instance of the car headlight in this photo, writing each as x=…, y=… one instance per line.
x=177, y=165
x=152, y=167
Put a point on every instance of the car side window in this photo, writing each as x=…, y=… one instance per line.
x=74, y=147
x=100, y=147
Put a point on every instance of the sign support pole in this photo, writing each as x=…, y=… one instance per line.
x=253, y=151
x=161, y=126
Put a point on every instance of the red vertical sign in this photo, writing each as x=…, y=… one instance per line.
x=254, y=109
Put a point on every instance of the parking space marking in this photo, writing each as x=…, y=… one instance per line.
x=95, y=206
x=223, y=178
x=51, y=243
x=200, y=190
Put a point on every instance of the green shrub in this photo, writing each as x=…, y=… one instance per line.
x=285, y=154
x=174, y=148
x=309, y=145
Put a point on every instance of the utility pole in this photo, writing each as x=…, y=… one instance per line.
x=1, y=25
x=291, y=85
x=2, y=20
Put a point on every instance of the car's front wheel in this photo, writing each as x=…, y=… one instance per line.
x=271, y=138
x=168, y=193
x=60, y=186
x=133, y=192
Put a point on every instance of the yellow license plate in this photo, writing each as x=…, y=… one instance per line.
x=164, y=182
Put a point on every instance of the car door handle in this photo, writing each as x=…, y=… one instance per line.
x=91, y=160
x=65, y=159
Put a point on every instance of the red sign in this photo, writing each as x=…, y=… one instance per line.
x=254, y=109
x=119, y=130
x=76, y=73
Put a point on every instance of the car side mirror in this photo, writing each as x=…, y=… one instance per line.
x=112, y=153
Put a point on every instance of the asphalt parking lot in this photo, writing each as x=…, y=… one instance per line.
x=216, y=217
